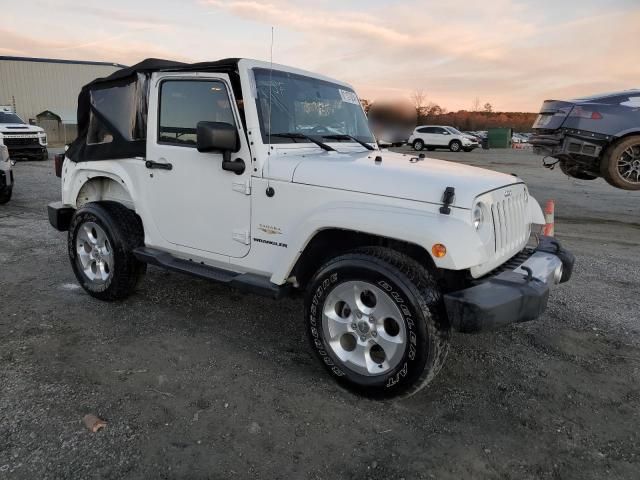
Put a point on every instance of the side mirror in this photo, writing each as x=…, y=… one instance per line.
x=217, y=137
x=220, y=137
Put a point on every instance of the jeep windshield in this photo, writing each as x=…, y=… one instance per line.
x=308, y=106
x=10, y=118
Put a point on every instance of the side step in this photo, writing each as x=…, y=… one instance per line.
x=247, y=282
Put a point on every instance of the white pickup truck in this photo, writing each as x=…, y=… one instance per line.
x=22, y=140
x=268, y=178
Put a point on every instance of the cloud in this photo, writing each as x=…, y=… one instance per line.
x=118, y=48
x=511, y=53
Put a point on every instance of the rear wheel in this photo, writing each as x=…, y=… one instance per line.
x=102, y=237
x=572, y=170
x=5, y=195
x=620, y=165
x=455, y=145
x=418, y=145
x=376, y=320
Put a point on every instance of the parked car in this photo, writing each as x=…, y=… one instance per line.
x=593, y=137
x=438, y=136
x=6, y=174
x=392, y=137
x=22, y=140
x=519, y=138
x=390, y=251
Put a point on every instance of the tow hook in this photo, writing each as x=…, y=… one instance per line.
x=529, y=273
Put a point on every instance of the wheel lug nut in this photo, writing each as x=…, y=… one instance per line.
x=363, y=338
x=354, y=326
x=374, y=334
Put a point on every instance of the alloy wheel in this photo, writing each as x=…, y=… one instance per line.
x=364, y=327
x=95, y=254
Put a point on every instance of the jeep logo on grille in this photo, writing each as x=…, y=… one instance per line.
x=507, y=193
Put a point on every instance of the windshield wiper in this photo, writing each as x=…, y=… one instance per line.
x=344, y=136
x=322, y=145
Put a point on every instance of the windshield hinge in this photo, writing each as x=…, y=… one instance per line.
x=242, y=187
x=241, y=236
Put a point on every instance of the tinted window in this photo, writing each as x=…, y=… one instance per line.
x=440, y=131
x=424, y=130
x=114, y=113
x=184, y=103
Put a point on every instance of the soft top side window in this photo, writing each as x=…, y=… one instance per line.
x=184, y=103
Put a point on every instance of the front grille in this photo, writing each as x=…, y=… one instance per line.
x=510, y=223
x=20, y=142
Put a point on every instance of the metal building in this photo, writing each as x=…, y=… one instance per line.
x=42, y=90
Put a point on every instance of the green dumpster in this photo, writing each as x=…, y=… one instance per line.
x=500, y=137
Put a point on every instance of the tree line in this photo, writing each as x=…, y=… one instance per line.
x=420, y=111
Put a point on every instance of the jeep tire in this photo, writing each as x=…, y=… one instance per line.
x=102, y=237
x=376, y=320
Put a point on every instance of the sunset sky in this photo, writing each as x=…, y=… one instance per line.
x=511, y=53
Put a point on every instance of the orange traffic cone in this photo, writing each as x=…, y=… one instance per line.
x=549, y=210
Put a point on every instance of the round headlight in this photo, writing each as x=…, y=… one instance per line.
x=478, y=216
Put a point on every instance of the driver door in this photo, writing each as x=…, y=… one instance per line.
x=194, y=203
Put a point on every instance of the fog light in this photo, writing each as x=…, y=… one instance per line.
x=439, y=250
x=557, y=274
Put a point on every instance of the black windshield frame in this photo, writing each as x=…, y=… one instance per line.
x=359, y=128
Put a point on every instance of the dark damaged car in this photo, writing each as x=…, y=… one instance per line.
x=593, y=137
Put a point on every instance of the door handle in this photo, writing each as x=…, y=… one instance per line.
x=236, y=166
x=160, y=165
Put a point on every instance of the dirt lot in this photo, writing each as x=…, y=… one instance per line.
x=198, y=381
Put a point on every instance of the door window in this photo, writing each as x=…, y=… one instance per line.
x=184, y=103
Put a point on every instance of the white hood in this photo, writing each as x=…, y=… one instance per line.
x=18, y=128
x=396, y=176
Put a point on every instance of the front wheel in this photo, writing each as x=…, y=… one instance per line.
x=455, y=146
x=418, y=145
x=102, y=237
x=620, y=165
x=376, y=320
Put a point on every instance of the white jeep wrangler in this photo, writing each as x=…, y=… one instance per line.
x=268, y=179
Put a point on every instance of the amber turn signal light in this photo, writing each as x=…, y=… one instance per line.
x=438, y=250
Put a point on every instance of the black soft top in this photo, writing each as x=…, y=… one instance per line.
x=112, y=111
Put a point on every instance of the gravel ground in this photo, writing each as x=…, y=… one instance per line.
x=198, y=381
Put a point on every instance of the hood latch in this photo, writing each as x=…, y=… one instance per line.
x=447, y=199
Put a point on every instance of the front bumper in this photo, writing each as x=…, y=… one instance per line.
x=27, y=151
x=513, y=296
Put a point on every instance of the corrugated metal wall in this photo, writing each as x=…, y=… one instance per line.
x=40, y=86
